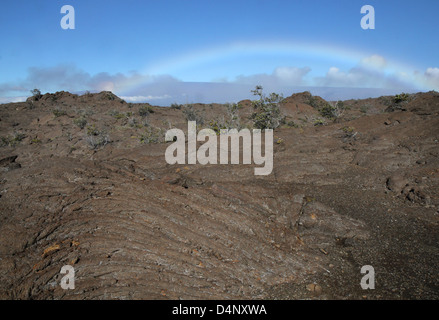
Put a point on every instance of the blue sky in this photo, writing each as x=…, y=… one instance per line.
x=150, y=50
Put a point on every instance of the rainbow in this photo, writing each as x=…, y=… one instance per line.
x=300, y=54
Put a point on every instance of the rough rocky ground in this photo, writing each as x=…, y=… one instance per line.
x=80, y=186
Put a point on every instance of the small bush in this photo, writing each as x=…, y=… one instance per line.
x=364, y=108
x=58, y=113
x=401, y=97
x=117, y=115
x=97, y=141
x=35, y=141
x=332, y=112
x=110, y=96
x=312, y=101
x=233, y=113
x=267, y=114
x=347, y=129
x=328, y=111
x=80, y=122
x=96, y=138
x=132, y=122
x=217, y=126
x=12, y=141
x=151, y=135
x=92, y=131
x=292, y=124
x=36, y=94
x=176, y=106
x=349, y=133
x=145, y=110
x=192, y=115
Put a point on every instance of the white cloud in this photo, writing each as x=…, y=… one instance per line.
x=66, y=77
x=135, y=99
x=282, y=76
x=336, y=78
x=361, y=77
x=291, y=75
x=374, y=61
x=432, y=78
x=12, y=99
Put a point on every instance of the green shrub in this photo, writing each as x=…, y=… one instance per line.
x=292, y=124
x=348, y=129
x=35, y=141
x=12, y=141
x=80, y=122
x=328, y=111
x=92, y=130
x=267, y=114
x=145, y=110
x=58, y=112
x=117, y=115
x=36, y=94
x=401, y=97
x=192, y=115
x=96, y=138
x=176, y=106
x=151, y=135
x=97, y=141
x=364, y=108
x=217, y=126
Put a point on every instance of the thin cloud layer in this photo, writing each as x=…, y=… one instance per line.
x=432, y=77
x=280, y=76
x=371, y=72
x=70, y=78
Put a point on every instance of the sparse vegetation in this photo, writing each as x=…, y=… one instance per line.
x=329, y=187
x=402, y=97
x=110, y=96
x=58, y=112
x=36, y=94
x=97, y=141
x=364, y=108
x=268, y=114
x=348, y=129
x=312, y=101
x=132, y=122
x=217, y=126
x=151, y=135
x=192, y=115
x=233, y=121
x=233, y=113
x=80, y=122
x=96, y=138
x=12, y=141
x=291, y=124
x=35, y=141
x=327, y=111
x=349, y=133
x=176, y=106
x=92, y=131
x=120, y=115
x=145, y=110
x=332, y=112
